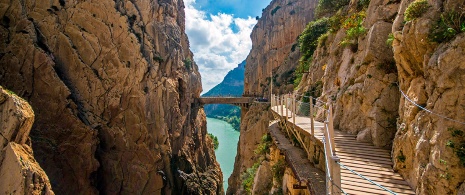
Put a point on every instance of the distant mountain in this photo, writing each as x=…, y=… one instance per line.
x=232, y=85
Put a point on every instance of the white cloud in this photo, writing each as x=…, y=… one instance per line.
x=216, y=46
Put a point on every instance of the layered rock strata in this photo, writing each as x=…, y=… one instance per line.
x=274, y=44
x=19, y=171
x=112, y=84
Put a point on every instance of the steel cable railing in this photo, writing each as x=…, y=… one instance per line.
x=289, y=106
x=429, y=111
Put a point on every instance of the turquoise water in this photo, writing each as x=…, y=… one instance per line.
x=227, y=149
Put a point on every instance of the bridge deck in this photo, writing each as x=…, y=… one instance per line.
x=226, y=100
x=364, y=158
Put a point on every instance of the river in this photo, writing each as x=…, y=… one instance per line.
x=227, y=149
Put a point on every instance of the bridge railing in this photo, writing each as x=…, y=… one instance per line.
x=290, y=106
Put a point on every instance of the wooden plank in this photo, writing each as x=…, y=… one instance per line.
x=377, y=178
x=368, y=159
x=384, y=184
x=357, y=166
x=374, y=174
x=374, y=188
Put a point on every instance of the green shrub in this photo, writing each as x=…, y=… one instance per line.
x=278, y=170
x=447, y=26
x=401, y=157
x=275, y=10
x=322, y=39
x=215, y=141
x=308, y=40
x=248, y=177
x=416, y=9
x=264, y=146
x=158, y=58
x=188, y=63
x=363, y=4
x=354, y=28
x=330, y=6
x=335, y=22
x=390, y=39
x=457, y=144
x=299, y=72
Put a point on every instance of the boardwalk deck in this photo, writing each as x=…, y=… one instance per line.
x=364, y=158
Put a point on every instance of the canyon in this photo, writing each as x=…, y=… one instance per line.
x=391, y=81
x=104, y=100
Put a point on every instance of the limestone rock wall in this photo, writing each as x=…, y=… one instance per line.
x=363, y=83
x=359, y=80
x=19, y=171
x=432, y=75
x=254, y=124
x=112, y=84
x=274, y=45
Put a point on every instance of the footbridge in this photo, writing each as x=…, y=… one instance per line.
x=350, y=167
x=237, y=101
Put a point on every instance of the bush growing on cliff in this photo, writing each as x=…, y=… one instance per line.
x=299, y=72
x=416, y=9
x=457, y=143
x=215, y=141
x=264, y=146
x=275, y=10
x=330, y=6
x=248, y=177
x=278, y=170
x=354, y=28
x=447, y=26
x=308, y=40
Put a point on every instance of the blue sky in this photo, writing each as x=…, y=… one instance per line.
x=219, y=34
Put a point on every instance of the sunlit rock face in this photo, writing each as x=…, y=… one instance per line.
x=112, y=84
x=433, y=76
x=19, y=171
x=274, y=45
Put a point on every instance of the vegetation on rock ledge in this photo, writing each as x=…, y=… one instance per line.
x=216, y=143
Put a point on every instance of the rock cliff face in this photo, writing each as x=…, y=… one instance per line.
x=254, y=124
x=359, y=79
x=274, y=45
x=363, y=82
x=112, y=84
x=369, y=82
x=19, y=171
x=429, y=150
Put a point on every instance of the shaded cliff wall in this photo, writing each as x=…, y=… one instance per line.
x=254, y=124
x=112, y=84
x=274, y=45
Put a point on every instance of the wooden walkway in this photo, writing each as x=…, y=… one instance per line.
x=303, y=169
x=372, y=162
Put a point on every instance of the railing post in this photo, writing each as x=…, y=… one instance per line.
x=293, y=108
x=329, y=167
x=282, y=105
x=272, y=100
x=277, y=103
x=331, y=127
x=287, y=107
x=312, y=125
x=336, y=175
